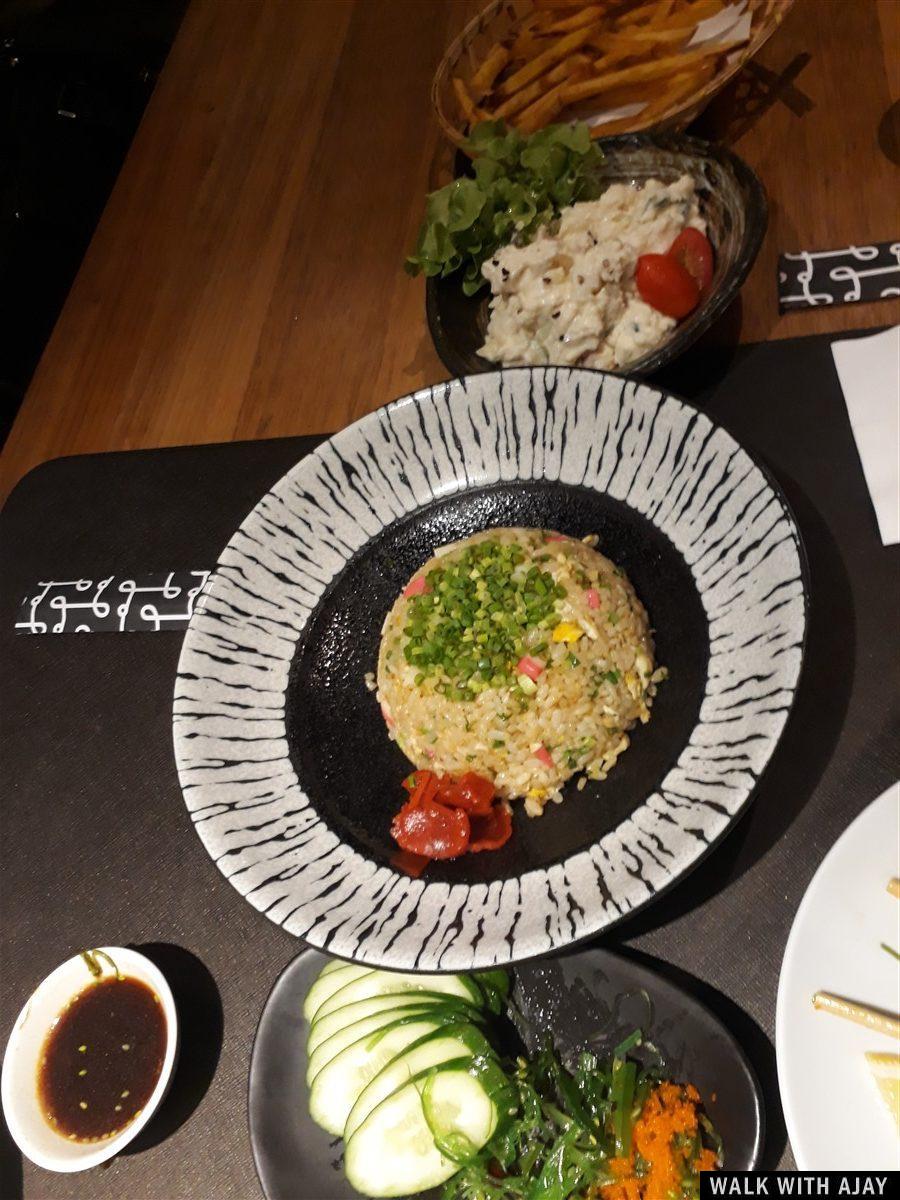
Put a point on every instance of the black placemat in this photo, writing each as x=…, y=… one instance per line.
x=97, y=846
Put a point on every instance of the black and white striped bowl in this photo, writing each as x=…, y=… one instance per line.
x=286, y=770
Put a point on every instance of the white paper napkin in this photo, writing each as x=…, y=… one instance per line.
x=731, y=23
x=869, y=371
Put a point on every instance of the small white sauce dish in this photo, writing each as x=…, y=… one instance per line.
x=29, y=1127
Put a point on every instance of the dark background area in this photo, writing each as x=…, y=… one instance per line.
x=75, y=77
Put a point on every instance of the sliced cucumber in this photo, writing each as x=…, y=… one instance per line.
x=330, y=982
x=333, y=964
x=393, y=1152
x=325, y=1051
x=338, y=1084
x=380, y=983
x=495, y=987
x=326, y=1026
x=449, y=1042
x=440, y=1105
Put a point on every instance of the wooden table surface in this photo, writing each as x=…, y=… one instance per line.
x=245, y=280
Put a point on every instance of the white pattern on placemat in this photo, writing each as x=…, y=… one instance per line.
x=817, y=276
x=111, y=605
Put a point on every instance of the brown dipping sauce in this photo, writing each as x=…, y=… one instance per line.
x=101, y=1059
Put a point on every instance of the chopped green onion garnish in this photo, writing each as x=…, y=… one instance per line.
x=469, y=628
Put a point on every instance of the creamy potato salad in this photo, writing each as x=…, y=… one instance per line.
x=569, y=297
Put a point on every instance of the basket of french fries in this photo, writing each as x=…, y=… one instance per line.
x=619, y=65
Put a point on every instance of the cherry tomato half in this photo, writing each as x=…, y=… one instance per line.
x=425, y=789
x=490, y=832
x=480, y=791
x=694, y=251
x=412, y=781
x=408, y=863
x=431, y=829
x=664, y=284
x=472, y=792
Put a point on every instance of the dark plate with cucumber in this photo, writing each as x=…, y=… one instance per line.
x=585, y=1075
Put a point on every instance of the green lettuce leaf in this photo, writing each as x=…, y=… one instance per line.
x=519, y=183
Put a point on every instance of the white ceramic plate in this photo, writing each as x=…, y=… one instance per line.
x=27, y=1124
x=835, y=1117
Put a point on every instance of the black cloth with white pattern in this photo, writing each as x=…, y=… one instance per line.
x=815, y=277
x=97, y=845
x=164, y=600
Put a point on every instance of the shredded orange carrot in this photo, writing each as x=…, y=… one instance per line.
x=668, y=1119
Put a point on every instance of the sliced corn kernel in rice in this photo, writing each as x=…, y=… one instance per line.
x=567, y=631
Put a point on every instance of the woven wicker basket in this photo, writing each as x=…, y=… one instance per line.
x=499, y=21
